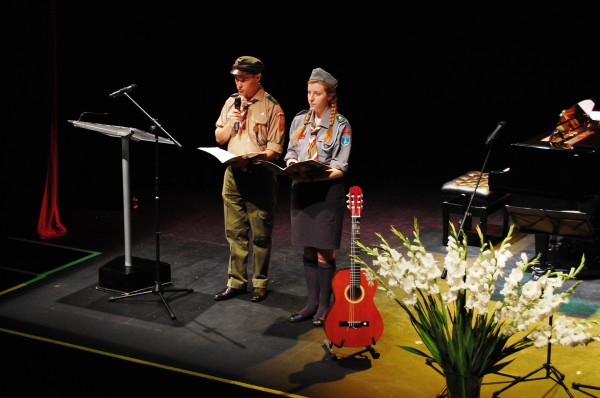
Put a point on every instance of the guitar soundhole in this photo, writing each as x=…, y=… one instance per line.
x=354, y=294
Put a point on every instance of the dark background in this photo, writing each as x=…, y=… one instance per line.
x=422, y=86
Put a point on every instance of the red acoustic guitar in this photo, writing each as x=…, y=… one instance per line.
x=353, y=320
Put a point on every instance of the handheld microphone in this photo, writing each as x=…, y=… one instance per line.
x=122, y=91
x=490, y=139
x=237, y=104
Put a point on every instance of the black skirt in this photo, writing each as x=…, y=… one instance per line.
x=317, y=213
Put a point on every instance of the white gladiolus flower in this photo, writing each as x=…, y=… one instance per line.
x=526, y=306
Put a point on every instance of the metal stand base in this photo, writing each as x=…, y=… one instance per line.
x=551, y=372
x=157, y=289
x=579, y=386
x=328, y=346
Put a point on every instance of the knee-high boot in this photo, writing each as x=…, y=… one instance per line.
x=325, y=273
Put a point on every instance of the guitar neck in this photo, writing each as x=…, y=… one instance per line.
x=354, y=267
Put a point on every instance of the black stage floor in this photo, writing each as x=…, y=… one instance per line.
x=63, y=334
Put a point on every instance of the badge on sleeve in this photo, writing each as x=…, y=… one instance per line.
x=281, y=121
x=346, y=133
x=345, y=138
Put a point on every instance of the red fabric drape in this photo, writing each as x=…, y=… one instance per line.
x=49, y=225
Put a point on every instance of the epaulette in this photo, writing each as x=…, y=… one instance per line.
x=235, y=95
x=273, y=100
x=302, y=112
x=340, y=118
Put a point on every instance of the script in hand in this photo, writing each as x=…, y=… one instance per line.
x=306, y=167
x=226, y=156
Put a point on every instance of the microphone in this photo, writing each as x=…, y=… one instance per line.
x=490, y=139
x=91, y=113
x=237, y=104
x=122, y=91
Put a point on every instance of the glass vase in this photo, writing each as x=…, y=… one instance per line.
x=462, y=386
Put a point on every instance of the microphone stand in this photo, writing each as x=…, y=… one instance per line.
x=158, y=287
x=489, y=142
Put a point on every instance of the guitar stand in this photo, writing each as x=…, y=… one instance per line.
x=328, y=347
x=579, y=386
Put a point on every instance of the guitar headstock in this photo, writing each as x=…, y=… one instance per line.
x=355, y=201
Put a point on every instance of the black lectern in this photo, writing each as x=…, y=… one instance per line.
x=126, y=273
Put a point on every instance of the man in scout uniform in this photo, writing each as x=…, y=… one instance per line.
x=251, y=121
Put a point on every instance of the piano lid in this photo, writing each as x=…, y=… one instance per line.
x=575, y=124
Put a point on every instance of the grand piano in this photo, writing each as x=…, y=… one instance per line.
x=559, y=170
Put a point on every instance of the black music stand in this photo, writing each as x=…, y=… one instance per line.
x=553, y=223
x=571, y=224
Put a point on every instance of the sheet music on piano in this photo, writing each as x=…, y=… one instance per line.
x=588, y=107
x=120, y=131
x=575, y=124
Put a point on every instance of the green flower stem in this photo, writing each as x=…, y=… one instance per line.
x=461, y=386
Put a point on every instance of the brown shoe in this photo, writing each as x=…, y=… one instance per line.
x=259, y=294
x=227, y=293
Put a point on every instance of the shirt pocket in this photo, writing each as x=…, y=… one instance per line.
x=326, y=149
x=260, y=129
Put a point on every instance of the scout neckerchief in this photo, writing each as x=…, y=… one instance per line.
x=312, y=142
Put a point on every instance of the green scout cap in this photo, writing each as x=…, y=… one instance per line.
x=248, y=64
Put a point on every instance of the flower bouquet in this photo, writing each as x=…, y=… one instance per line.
x=466, y=333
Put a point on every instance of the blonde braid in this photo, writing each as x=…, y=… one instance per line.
x=329, y=132
x=300, y=130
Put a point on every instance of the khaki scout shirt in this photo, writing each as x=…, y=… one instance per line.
x=264, y=127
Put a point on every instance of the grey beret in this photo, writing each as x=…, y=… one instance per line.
x=320, y=74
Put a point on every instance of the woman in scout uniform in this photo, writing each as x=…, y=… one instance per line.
x=318, y=201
